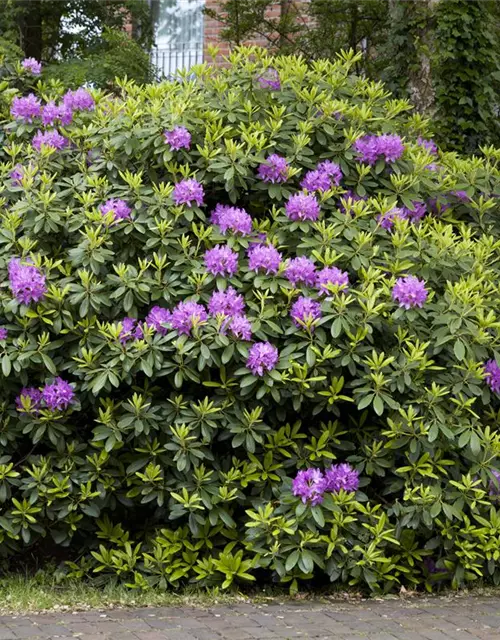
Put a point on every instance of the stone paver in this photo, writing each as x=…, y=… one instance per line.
x=445, y=618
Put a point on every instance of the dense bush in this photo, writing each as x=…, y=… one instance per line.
x=363, y=312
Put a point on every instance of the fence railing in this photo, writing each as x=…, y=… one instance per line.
x=175, y=57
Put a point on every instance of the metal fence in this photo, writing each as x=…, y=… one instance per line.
x=175, y=57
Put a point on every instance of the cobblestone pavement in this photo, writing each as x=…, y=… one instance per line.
x=460, y=618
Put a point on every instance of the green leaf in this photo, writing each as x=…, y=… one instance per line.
x=459, y=350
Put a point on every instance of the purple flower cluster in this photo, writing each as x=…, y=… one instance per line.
x=331, y=277
x=119, y=209
x=275, y=169
x=3, y=333
x=17, y=174
x=26, y=108
x=302, y=206
x=51, y=113
x=386, y=220
x=492, y=372
x=189, y=191
x=56, y=396
x=301, y=270
x=79, y=100
x=157, y=318
x=187, y=315
x=262, y=357
x=232, y=219
x=430, y=145
x=221, y=261
x=461, y=195
x=32, y=65
x=263, y=257
x=270, y=79
x=241, y=327
x=52, y=139
x=131, y=330
x=310, y=485
x=26, y=282
x=326, y=175
x=178, y=138
x=341, y=477
x=409, y=292
x=305, y=310
x=387, y=146
x=228, y=303
x=35, y=399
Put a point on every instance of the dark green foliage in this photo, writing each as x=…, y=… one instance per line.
x=467, y=74
x=118, y=56
x=176, y=463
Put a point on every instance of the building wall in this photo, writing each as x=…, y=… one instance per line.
x=213, y=28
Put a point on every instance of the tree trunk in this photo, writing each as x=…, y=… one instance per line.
x=30, y=27
x=419, y=16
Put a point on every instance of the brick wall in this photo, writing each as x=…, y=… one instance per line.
x=212, y=29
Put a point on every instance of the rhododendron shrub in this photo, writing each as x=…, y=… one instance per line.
x=249, y=329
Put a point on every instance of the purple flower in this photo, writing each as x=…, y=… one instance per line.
x=178, y=138
x=326, y=175
x=187, y=315
x=409, y=292
x=26, y=282
x=130, y=330
x=262, y=257
x=26, y=108
x=302, y=206
x=492, y=372
x=221, y=260
x=50, y=138
x=241, y=327
x=316, y=181
x=231, y=219
x=157, y=318
x=341, y=477
x=309, y=485
x=304, y=311
x=58, y=396
x=17, y=174
x=494, y=487
x=52, y=112
x=430, y=145
x=386, y=220
x=417, y=213
x=119, y=209
x=188, y=191
x=3, y=333
x=332, y=170
x=227, y=302
x=32, y=65
x=262, y=357
x=79, y=100
x=270, y=79
x=274, y=169
x=35, y=397
x=436, y=206
x=371, y=148
x=331, y=277
x=301, y=270
x=461, y=195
